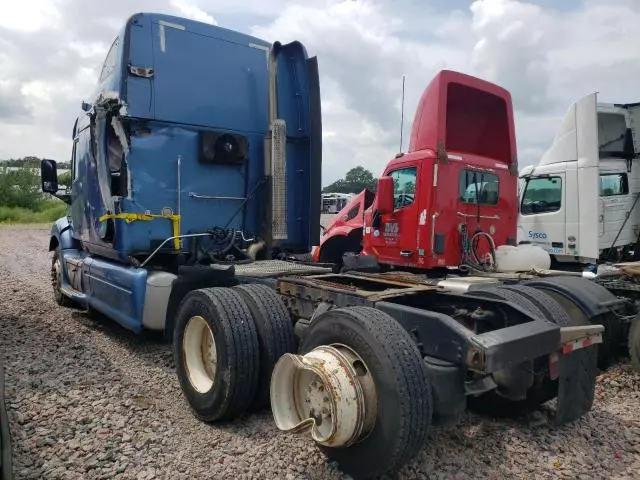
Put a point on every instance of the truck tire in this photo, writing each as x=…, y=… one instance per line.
x=547, y=304
x=513, y=296
x=216, y=353
x=275, y=332
x=585, y=301
x=56, y=280
x=634, y=343
x=543, y=389
x=404, y=397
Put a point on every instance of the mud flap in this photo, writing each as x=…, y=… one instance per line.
x=576, y=384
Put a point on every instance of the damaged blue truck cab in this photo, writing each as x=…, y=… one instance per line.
x=200, y=146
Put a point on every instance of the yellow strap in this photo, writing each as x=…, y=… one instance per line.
x=147, y=217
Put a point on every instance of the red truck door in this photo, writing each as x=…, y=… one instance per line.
x=394, y=235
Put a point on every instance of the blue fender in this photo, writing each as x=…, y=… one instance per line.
x=62, y=235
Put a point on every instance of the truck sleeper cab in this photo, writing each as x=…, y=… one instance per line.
x=580, y=201
x=178, y=163
x=457, y=178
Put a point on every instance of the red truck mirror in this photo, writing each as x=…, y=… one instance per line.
x=384, y=192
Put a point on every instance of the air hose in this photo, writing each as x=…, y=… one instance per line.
x=470, y=259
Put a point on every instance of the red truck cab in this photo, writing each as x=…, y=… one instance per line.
x=458, y=177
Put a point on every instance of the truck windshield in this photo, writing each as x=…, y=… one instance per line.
x=541, y=195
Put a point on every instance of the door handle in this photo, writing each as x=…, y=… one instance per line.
x=406, y=253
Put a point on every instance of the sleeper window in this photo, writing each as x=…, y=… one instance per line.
x=477, y=187
x=613, y=184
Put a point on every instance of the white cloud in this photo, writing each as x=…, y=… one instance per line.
x=511, y=49
x=51, y=50
x=28, y=15
x=362, y=54
x=193, y=12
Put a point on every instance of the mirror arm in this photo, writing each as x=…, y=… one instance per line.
x=65, y=197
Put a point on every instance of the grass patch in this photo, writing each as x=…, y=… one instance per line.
x=50, y=211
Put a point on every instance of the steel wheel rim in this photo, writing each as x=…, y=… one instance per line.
x=329, y=390
x=200, y=354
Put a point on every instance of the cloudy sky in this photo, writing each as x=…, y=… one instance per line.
x=547, y=53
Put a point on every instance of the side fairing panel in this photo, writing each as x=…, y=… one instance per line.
x=315, y=152
x=295, y=108
x=137, y=91
x=116, y=291
x=588, y=174
x=564, y=147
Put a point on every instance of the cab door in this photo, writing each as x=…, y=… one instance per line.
x=394, y=235
x=543, y=212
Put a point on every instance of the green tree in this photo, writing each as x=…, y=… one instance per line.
x=31, y=162
x=356, y=180
x=20, y=188
x=339, y=186
x=360, y=178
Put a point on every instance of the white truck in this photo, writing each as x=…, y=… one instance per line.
x=580, y=202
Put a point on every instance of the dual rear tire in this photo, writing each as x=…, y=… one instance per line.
x=227, y=341
x=540, y=305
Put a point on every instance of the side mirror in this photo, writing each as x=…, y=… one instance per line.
x=384, y=194
x=85, y=106
x=628, y=149
x=49, y=176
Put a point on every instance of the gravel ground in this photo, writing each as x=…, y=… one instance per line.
x=87, y=399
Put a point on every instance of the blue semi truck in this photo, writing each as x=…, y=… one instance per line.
x=195, y=197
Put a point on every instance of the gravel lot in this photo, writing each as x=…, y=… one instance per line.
x=87, y=399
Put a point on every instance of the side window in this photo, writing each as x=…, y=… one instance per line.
x=480, y=188
x=541, y=195
x=404, y=186
x=110, y=62
x=614, y=184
